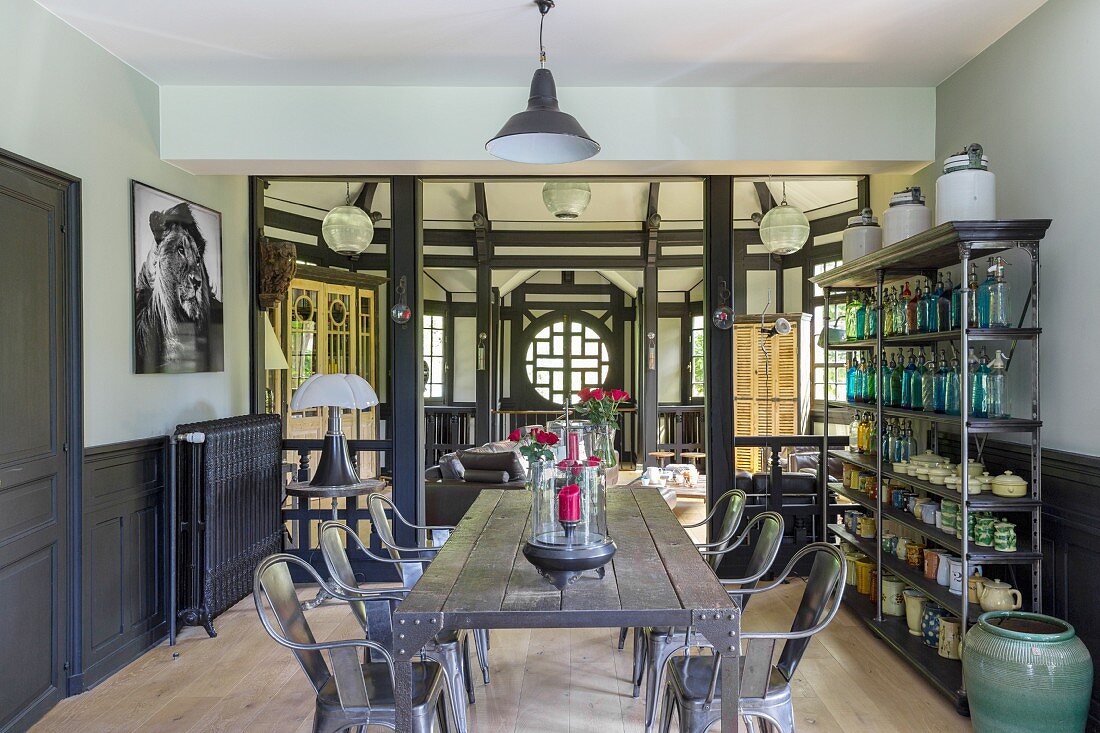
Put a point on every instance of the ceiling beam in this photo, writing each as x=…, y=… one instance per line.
x=764, y=196
x=365, y=199
x=616, y=279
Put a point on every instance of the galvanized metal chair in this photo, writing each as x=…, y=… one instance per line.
x=732, y=504
x=662, y=644
x=413, y=560
x=350, y=691
x=376, y=617
x=694, y=682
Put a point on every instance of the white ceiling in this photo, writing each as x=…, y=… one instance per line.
x=590, y=42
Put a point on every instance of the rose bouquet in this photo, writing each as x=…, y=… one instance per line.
x=535, y=445
x=601, y=407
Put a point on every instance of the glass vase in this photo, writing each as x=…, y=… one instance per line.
x=604, y=446
x=539, y=473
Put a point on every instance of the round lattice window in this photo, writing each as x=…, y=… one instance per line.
x=565, y=356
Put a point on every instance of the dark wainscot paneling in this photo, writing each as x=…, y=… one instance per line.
x=1070, y=539
x=124, y=559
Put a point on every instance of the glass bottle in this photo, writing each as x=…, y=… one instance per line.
x=998, y=294
x=897, y=379
x=887, y=444
x=861, y=380
x=871, y=390
x=979, y=388
x=911, y=448
x=944, y=289
x=851, y=311
x=861, y=434
x=972, y=303
x=906, y=399
x=983, y=297
x=956, y=304
x=870, y=315
x=913, y=320
x=887, y=381
x=951, y=391
x=888, y=312
x=851, y=383
x=997, y=389
x=853, y=433
x=902, y=306
x=940, y=396
x=860, y=317
x=931, y=309
x=928, y=384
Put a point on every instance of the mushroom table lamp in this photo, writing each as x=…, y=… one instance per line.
x=334, y=391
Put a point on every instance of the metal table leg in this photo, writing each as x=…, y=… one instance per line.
x=722, y=628
x=322, y=595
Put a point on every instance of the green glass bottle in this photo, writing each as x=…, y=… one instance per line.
x=897, y=379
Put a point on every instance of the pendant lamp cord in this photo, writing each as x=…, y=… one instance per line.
x=544, y=8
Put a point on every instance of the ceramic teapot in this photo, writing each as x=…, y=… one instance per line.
x=996, y=595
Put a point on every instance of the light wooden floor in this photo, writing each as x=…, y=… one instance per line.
x=544, y=680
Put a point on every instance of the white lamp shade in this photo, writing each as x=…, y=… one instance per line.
x=784, y=229
x=274, y=358
x=348, y=230
x=334, y=390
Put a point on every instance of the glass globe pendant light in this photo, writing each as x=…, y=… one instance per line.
x=784, y=229
x=542, y=133
x=347, y=229
x=566, y=199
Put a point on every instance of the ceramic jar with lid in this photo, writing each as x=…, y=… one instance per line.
x=966, y=191
x=1009, y=485
x=928, y=458
x=907, y=215
x=938, y=474
x=862, y=236
x=996, y=595
x=1004, y=536
x=973, y=468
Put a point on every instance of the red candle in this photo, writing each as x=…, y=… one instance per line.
x=569, y=503
x=574, y=449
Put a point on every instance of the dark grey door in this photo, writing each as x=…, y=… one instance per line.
x=35, y=604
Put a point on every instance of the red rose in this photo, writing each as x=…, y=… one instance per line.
x=584, y=394
x=515, y=435
x=547, y=439
x=594, y=461
x=619, y=395
x=596, y=394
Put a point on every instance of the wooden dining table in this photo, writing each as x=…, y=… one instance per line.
x=481, y=580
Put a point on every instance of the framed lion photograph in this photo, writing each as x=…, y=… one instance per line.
x=177, y=284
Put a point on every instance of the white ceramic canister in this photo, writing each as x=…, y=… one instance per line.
x=862, y=236
x=966, y=191
x=907, y=215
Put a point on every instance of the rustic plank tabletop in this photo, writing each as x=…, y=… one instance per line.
x=481, y=580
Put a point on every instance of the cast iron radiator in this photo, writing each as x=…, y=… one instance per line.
x=228, y=496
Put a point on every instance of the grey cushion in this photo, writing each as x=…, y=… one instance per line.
x=507, y=460
x=450, y=467
x=486, y=476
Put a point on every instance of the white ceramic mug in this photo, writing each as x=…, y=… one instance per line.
x=653, y=474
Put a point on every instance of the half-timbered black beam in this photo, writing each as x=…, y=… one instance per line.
x=650, y=298
x=483, y=376
x=405, y=356
x=718, y=343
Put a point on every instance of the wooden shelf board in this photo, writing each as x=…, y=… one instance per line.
x=934, y=249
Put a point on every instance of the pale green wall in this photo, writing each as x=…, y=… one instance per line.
x=70, y=105
x=1032, y=100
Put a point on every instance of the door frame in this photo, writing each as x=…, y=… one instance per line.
x=72, y=343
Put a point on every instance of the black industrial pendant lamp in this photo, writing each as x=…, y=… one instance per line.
x=542, y=133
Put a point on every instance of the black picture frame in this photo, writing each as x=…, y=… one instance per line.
x=176, y=245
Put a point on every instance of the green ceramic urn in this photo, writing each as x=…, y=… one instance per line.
x=1026, y=673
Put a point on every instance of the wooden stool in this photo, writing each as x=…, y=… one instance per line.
x=693, y=456
x=661, y=456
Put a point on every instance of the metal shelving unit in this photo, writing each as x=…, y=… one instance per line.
x=954, y=243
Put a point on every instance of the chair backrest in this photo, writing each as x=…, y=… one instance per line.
x=768, y=539
x=278, y=587
x=735, y=507
x=410, y=571
x=339, y=565
x=823, y=586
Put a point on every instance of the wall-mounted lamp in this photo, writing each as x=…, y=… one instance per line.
x=482, y=352
x=401, y=312
x=722, y=317
x=651, y=362
x=781, y=327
